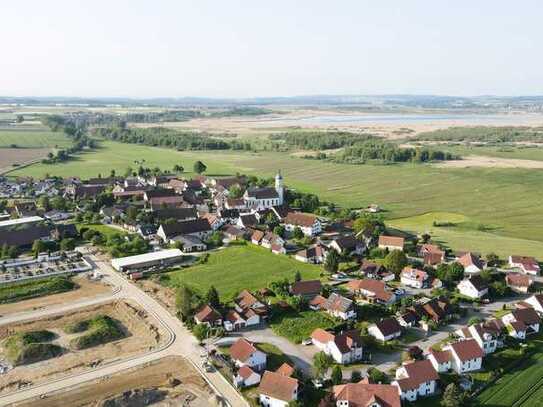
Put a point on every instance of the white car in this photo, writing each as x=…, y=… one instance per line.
x=307, y=342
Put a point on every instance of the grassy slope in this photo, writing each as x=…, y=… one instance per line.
x=33, y=136
x=507, y=199
x=532, y=153
x=243, y=267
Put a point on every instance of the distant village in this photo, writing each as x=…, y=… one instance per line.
x=408, y=283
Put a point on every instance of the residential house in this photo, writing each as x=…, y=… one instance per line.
x=244, y=353
x=519, y=283
x=339, y=307
x=270, y=239
x=209, y=316
x=158, y=193
x=233, y=233
x=250, y=307
x=315, y=254
x=536, y=302
x=247, y=220
x=528, y=265
x=528, y=316
x=436, y=309
x=285, y=369
x=413, y=277
x=161, y=202
x=473, y=287
x=246, y=377
x=466, y=355
x=347, y=245
x=317, y=302
x=171, y=232
x=147, y=231
x=432, y=254
x=414, y=379
x=471, y=262
x=177, y=214
x=308, y=223
x=344, y=348
x=364, y=394
x=307, y=289
x=409, y=318
x=373, y=291
x=235, y=204
x=235, y=322
x=485, y=334
x=277, y=390
x=215, y=221
x=385, y=330
x=391, y=243
x=278, y=249
x=257, y=236
x=441, y=360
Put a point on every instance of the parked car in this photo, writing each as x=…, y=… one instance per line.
x=307, y=342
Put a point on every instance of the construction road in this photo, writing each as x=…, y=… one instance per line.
x=180, y=342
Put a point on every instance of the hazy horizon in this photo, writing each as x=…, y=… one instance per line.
x=236, y=49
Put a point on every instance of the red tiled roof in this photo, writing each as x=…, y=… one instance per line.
x=394, y=241
x=441, y=356
x=306, y=287
x=300, y=219
x=418, y=372
x=245, y=372
x=277, y=386
x=377, y=287
x=322, y=336
x=518, y=280
x=363, y=394
x=285, y=369
x=467, y=350
x=207, y=314
x=242, y=350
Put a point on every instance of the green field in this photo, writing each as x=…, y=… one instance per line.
x=35, y=288
x=521, y=387
x=516, y=152
x=33, y=137
x=508, y=201
x=236, y=268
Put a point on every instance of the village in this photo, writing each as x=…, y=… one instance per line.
x=386, y=316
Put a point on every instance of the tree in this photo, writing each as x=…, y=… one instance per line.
x=235, y=191
x=200, y=332
x=474, y=320
x=297, y=233
x=452, y=396
x=331, y=263
x=456, y=271
x=199, y=167
x=395, y=261
x=376, y=376
x=492, y=259
x=212, y=297
x=297, y=276
x=178, y=168
x=183, y=302
x=337, y=375
x=425, y=238
x=38, y=247
x=356, y=376
x=321, y=363
x=279, y=230
x=44, y=203
x=58, y=203
x=67, y=244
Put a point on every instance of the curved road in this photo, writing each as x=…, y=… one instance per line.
x=180, y=342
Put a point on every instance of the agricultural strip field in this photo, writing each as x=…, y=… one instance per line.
x=240, y=267
x=32, y=137
x=522, y=387
x=507, y=202
x=35, y=288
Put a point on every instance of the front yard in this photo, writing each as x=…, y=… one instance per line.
x=298, y=326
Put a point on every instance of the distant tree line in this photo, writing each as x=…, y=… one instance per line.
x=484, y=134
x=319, y=140
x=164, y=137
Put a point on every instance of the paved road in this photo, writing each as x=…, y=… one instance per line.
x=180, y=342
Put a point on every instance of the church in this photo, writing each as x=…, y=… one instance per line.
x=264, y=198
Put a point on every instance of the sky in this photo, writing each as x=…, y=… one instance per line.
x=234, y=48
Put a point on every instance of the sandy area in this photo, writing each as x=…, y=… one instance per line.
x=10, y=156
x=142, y=333
x=87, y=289
x=164, y=295
x=172, y=377
x=491, y=162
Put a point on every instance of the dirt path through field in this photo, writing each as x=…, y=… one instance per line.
x=491, y=162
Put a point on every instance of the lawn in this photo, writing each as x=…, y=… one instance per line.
x=506, y=202
x=33, y=137
x=298, y=326
x=35, y=288
x=103, y=229
x=520, y=386
x=274, y=356
x=241, y=267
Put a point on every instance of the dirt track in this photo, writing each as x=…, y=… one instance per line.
x=161, y=376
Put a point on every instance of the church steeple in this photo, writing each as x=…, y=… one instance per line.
x=279, y=186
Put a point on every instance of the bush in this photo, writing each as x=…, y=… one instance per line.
x=76, y=327
x=29, y=347
x=101, y=329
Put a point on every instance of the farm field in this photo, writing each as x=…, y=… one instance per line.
x=233, y=269
x=507, y=199
x=517, y=152
x=32, y=137
x=521, y=387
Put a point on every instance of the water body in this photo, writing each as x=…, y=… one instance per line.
x=503, y=119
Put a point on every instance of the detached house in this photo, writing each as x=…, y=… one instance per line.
x=209, y=316
x=526, y=316
x=307, y=289
x=413, y=277
x=431, y=254
x=339, y=307
x=347, y=245
x=373, y=291
x=467, y=356
x=315, y=254
x=344, y=348
x=198, y=228
x=364, y=394
x=308, y=223
x=486, y=334
x=244, y=353
x=473, y=287
x=277, y=390
x=416, y=379
x=441, y=360
x=536, y=302
x=519, y=283
x=385, y=330
x=391, y=243
x=528, y=265
x=246, y=377
x=471, y=262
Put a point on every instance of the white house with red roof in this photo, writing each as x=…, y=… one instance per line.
x=277, y=390
x=344, y=348
x=527, y=316
x=473, y=287
x=209, y=316
x=518, y=282
x=416, y=379
x=246, y=377
x=471, y=262
x=309, y=224
x=528, y=265
x=441, y=360
x=391, y=243
x=244, y=353
x=385, y=330
x=466, y=355
x=413, y=277
x=536, y=302
x=372, y=290
x=365, y=394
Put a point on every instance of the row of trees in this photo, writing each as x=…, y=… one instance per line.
x=318, y=140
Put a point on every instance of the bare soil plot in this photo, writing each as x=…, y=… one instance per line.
x=169, y=381
x=20, y=156
x=142, y=333
x=491, y=162
x=164, y=295
x=87, y=289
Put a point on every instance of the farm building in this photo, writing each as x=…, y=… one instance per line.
x=141, y=261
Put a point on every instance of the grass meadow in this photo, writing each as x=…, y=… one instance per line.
x=34, y=136
x=236, y=268
x=503, y=204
